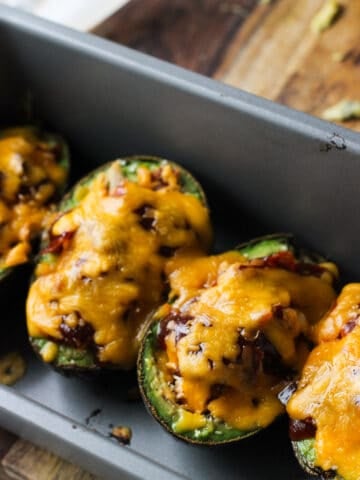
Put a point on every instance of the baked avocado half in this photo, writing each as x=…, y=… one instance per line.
x=102, y=268
x=236, y=327
x=34, y=167
x=324, y=409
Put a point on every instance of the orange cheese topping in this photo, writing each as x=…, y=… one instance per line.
x=329, y=389
x=110, y=274
x=232, y=332
x=29, y=178
x=344, y=315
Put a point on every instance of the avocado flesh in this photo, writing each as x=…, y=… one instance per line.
x=267, y=245
x=305, y=453
x=167, y=413
x=71, y=358
x=129, y=166
x=164, y=410
x=67, y=357
x=63, y=160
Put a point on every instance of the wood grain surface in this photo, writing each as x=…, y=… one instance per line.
x=25, y=461
x=190, y=33
x=266, y=49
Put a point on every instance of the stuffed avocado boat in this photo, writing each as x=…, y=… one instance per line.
x=34, y=167
x=234, y=329
x=325, y=408
x=101, y=270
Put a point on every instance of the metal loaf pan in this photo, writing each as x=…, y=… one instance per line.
x=265, y=168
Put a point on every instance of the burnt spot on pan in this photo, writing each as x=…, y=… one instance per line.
x=335, y=141
x=92, y=415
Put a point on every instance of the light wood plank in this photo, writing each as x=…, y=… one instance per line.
x=25, y=461
x=321, y=82
x=263, y=61
x=6, y=441
x=277, y=56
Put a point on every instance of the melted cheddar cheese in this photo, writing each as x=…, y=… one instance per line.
x=225, y=317
x=329, y=388
x=29, y=178
x=345, y=314
x=110, y=273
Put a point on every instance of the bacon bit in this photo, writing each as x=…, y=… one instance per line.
x=157, y=179
x=146, y=212
x=165, y=177
x=278, y=311
x=166, y=251
x=287, y=261
x=119, y=190
x=80, y=336
x=259, y=353
x=302, y=429
x=217, y=390
x=59, y=243
x=178, y=325
x=162, y=333
x=284, y=260
x=281, y=259
x=348, y=327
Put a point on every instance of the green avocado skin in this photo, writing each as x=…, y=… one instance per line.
x=166, y=413
x=306, y=455
x=77, y=360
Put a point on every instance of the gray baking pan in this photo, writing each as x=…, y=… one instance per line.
x=266, y=168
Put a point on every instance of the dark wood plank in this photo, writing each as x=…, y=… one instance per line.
x=191, y=33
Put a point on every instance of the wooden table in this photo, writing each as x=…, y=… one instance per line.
x=266, y=49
